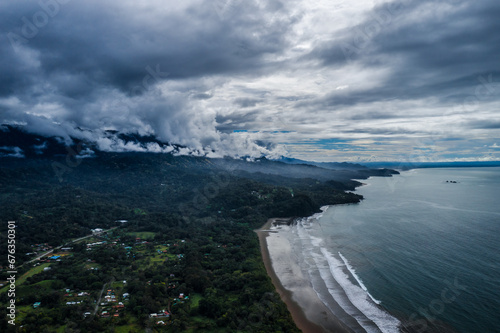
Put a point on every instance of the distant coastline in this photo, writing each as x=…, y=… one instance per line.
x=408, y=165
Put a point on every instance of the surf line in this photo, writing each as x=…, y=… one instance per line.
x=358, y=279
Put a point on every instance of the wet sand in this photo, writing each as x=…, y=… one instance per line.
x=308, y=312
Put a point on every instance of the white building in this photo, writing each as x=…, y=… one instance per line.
x=97, y=231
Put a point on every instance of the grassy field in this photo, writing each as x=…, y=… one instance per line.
x=118, y=285
x=61, y=329
x=195, y=300
x=21, y=279
x=139, y=211
x=161, y=247
x=31, y=272
x=132, y=326
x=127, y=328
x=22, y=312
x=142, y=234
x=203, y=324
x=36, y=288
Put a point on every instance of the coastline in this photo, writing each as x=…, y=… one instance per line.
x=308, y=312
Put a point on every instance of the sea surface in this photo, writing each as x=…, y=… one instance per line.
x=418, y=254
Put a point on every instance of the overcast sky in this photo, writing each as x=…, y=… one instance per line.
x=325, y=80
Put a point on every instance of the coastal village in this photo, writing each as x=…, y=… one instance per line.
x=112, y=302
x=135, y=280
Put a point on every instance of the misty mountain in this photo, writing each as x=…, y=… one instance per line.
x=326, y=165
x=18, y=144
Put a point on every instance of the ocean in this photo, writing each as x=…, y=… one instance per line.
x=419, y=254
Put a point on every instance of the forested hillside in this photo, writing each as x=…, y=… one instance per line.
x=181, y=237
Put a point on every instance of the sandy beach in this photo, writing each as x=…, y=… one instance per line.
x=307, y=310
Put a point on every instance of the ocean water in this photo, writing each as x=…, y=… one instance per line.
x=419, y=254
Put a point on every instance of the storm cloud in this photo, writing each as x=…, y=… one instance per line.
x=221, y=76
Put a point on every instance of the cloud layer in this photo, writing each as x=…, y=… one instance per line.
x=330, y=80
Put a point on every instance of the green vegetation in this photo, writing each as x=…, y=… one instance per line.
x=142, y=235
x=187, y=259
x=139, y=211
x=21, y=279
x=30, y=273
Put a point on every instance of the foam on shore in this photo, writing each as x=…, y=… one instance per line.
x=301, y=259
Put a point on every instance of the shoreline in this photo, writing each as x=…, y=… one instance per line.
x=315, y=308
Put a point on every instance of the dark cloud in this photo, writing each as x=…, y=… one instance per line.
x=113, y=45
x=429, y=49
x=484, y=124
x=202, y=96
x=199, y=73
x=129, y=66
x=237, y=121
x=246, y=102
x=372, y=115
x=11, y=152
